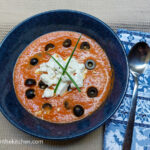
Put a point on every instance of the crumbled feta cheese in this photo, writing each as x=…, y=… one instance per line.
x=78, y=78
x=65, y=78
x=70, y=70
x=81, y=67
x=43, y=68
x=62, y=88
x=48, y=93
x=48, y=80
x=58, y=75
x=51, y=63
x=73, y=64
x=58, y=69
x=54, y=80
x=52, y=73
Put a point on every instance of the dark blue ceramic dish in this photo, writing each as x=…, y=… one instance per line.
x=32, y=28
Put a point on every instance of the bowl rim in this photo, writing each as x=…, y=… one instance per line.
x=121, y=99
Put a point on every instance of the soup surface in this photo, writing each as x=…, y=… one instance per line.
x=36, y=94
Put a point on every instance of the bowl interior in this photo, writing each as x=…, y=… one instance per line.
x=32, y=28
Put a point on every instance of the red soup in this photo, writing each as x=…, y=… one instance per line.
x=36, y=75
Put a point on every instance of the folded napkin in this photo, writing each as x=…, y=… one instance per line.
x=115, y=128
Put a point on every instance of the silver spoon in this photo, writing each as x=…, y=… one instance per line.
x=138, y=59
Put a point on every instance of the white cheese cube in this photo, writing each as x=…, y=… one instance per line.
x=43, y=65
x=48, y=93
x=51, y=63
x=70, y=70
x=65, y=78
x=58, y=75
x=73, y=63
x=58, y=69
x=48, y=80
x=81, y=67
x=60, y=60
x=54, y=80
x=62, y=88
x=43, y=68
x=78, y=78
x=51, y=73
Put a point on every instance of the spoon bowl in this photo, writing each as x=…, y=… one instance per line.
x=138, y=58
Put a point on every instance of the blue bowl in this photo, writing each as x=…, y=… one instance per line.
x=22, y=35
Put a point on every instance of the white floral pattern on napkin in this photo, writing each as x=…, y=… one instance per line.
x=115, y=127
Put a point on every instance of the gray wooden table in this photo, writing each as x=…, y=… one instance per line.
x=131, y=15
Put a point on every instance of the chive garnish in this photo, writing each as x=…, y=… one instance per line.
x=67, y=65
x=66, y=72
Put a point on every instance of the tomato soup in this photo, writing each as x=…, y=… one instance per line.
x=72, y=104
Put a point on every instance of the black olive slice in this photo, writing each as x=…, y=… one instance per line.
x=66, y=105
x=67, y=43
x=90, y=64
x=30, y=93
x=33, y=61
x=92, y=92
x=30, y=82
x=42, y=85
x=47, y=106
x=49, y=46
x=85, y=46
x=78, y=110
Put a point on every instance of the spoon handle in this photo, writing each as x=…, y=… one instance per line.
x=129, y=130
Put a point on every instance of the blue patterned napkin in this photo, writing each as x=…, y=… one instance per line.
x=115, y=127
